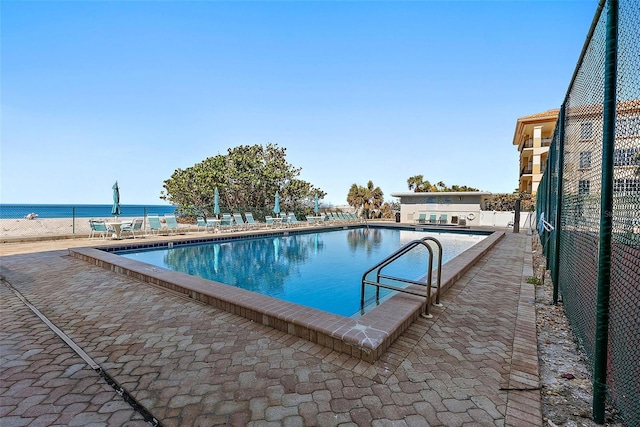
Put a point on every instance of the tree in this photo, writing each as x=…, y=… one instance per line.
x=367, y=198
x=417, y=184
x=247, y=176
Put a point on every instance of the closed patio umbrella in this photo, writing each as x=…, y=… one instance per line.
x=276, y=206
x=216, y=202
x=115, y=209
x=315, y=207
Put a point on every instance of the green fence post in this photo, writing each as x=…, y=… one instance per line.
x=606, y=214
x=555, y=272
x=551, y=160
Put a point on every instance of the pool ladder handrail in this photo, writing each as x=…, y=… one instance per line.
x=394, y=256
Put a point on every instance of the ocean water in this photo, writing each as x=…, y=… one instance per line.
x=11, y=211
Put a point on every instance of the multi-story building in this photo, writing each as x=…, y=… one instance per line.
x=533, y=137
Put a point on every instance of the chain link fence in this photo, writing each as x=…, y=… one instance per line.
x=18, y=222
x=53, y=221
x=588, y=207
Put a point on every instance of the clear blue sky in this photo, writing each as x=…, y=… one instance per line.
x=94, y=92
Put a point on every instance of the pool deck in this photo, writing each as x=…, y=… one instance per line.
x=185, y=363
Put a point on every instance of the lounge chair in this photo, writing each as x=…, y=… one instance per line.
x=99, y=227
x=422, y=218
x=241, y=224
x=292, y=220
x=226, y=223
x=443, y=219
x=433, y=219
x=284, y=220
x=212, y=224
x=155, y=227
x=172, y=224
x=132, y=228
x=202, y=224
x=249, y=221
x=269, y=221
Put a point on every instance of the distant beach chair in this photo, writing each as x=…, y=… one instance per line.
x=251, y=223
x=422, y=218
x=172, y=224
x=433, y=219
x=443, y=219
x=226, y=223
x=212, y=224
x=132, y=228
x=202, y=224
x=292, y=220
x=155, y=227
x=269, y=221
x=99, y=227
x=241, y=224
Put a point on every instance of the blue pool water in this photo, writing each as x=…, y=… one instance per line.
x=322, y=270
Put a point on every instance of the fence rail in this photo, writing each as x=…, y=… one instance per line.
x=592, y=207
x=52, y=221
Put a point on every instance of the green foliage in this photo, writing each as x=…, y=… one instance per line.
x=245, y=176
x=419, y=185
x=507, y=202
x=368, y=198
x=534, y=280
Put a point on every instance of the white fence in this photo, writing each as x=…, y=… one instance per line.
x=505, y=219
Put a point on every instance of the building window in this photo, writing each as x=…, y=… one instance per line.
x=625, y=157
x=626, y=186
x=628, y=127
x=585, y=159
x=586, y=130
x=584, y=185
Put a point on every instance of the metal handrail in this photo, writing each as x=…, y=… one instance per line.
x=394, y=256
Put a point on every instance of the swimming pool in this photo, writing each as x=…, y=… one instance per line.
x=365, y=337
x=322, y=270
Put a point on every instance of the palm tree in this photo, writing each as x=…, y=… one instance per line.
x=356, y=197
x=415, y=182
x=366, y=198
x=375, y=197
x=418, y=185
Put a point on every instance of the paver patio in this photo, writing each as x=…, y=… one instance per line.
x=188, y=364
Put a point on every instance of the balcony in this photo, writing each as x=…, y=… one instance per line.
x=526, y=171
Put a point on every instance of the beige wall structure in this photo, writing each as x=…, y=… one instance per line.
x=533, y=137
x=464, y=206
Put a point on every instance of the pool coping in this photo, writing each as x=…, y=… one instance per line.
x=366, y=337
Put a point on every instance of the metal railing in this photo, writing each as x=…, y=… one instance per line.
x=393, y=257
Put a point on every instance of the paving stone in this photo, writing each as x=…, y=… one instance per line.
x=192, y=364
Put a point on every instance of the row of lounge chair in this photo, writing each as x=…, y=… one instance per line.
x=236, y=222
x=229, y=222
x=433, y=219
x=134, y=228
